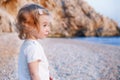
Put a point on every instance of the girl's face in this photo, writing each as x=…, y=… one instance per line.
x=44, y=26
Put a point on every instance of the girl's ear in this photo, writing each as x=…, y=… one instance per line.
x=28, y=23
x=29, y=27
x=25, y=24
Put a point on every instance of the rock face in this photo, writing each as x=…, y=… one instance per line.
x=6, y=22
x=69, y=59
x=70, y=17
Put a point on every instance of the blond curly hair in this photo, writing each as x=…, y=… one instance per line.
x=28, y=19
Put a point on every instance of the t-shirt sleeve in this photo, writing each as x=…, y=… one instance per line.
x=32, y=54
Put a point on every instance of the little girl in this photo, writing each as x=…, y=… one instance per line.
x=33, y=23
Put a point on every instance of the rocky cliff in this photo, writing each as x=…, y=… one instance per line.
x=70, y=18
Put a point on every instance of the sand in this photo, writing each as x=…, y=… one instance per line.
x=69, y=59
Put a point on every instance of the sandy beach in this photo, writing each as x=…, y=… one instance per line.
x=69, y=59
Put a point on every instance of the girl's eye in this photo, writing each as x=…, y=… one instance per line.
x=44, y=25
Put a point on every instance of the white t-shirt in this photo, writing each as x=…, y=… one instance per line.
x=31, y=51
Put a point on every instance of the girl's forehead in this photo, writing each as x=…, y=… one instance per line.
x=45, y=18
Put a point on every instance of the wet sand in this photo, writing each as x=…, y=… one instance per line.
x=69, y=59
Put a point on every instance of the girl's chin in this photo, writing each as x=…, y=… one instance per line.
x=42, y=37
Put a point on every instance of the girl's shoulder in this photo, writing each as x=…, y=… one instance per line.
x=33, y=44
x=29, y=44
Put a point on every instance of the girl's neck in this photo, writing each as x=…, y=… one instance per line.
x=31, y=38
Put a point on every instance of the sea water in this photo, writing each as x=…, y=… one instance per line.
x=103, y=40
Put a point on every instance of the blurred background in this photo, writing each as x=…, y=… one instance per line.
x=71, y=19
x=108, y=8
